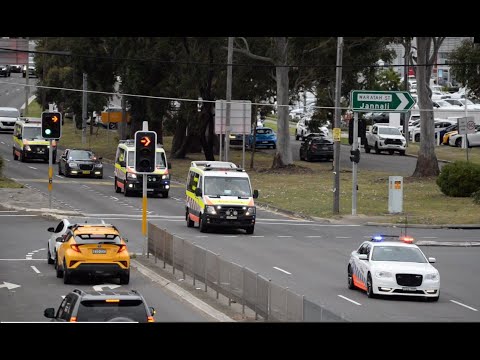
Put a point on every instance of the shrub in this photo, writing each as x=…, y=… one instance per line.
x=459, y=179
x=476, y=197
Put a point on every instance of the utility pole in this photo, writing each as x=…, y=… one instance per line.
x=229, y=97
x=405, y=80
x=44, y=93
x=27, y=70
x=84, y=110
x=338, y=113
x=354, y=164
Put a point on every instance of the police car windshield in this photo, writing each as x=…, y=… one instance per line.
x=32, y=132
x=397, y=253
x=227, y=186
x=160, y=159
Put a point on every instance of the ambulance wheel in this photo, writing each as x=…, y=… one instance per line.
x=190, y=222
x=165, y=194
x=117, y=189
x=125, y=191
x=202, y=225
x=20, y=157
x=15, y=157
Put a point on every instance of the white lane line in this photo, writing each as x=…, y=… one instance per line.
x=42, y=249
x=429, y=237
x=343, y=237
x=21, y=259
x=257, y=236
x=31, y=167
x=285, y=271
x=63, y=296
x=201, y=236
x=314, y=236
x=35, y=269
x=305, y=221
x=114, y=198
x=459, y=303
x=30, y=254
x=284, y=236
x=230, y=236
x=59, y=176
x=111, y=177
x=352, y=301
x=309, y=224
x=3, y=143
x=34, y=251
x=77, y=209
x=85, y=186
x=174, y=198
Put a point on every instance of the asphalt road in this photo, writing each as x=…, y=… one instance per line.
x=40, y=288
x=312, y=256
x=13, y=95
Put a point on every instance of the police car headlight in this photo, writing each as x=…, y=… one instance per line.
x=250, y=211
x=98, y=165
x=211, y=210
x=73, y=165
x=432, y=276
x=27, y=147
x=131, y=176
x=383, y=274
x=166, y=176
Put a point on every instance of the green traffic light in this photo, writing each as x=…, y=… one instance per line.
x=48, y=131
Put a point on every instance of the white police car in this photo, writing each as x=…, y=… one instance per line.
x=396, y=267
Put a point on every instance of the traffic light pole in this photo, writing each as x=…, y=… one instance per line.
x=50, y=174
x=144, y=205
x=354, y=164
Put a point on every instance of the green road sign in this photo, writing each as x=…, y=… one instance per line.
x=383, y=101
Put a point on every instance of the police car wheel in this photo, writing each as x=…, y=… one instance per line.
x=351, y=286
x=49, y=256
x=370, y=293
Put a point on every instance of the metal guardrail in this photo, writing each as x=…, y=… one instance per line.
x=238, y=283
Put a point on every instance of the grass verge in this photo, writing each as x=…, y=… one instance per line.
x=8, y=183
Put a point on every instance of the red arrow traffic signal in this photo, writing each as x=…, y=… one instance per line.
x=145, y=141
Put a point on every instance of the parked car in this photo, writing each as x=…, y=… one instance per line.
x=473, y=139
x=316, y=147
x=15, y=68
x=5, y=70
x=97, y=306
x=303, y=129
x=31, y=71
x=385, y=138
x=8, y=118
x=265, y=137
x=74, y=162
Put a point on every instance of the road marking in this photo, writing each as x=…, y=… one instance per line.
x=285, y=271
x=343, y=237
x=429, y=237
x=63, y=296
x=230, y=236
x=100, y=287
x=21, y=260
x=35, y=269
x=9, y=286
x=284, y=236
x=3, y=143
x=114, y=198
x=305, y=221
x=314, y=236
x=61, y=177
x=30, y=254
x=201, y=236
x=257, y=236
x=352, y=301
x=111, y=177
x=8, y=211
x=459, y=303
x=31, y=167
x=309, y=224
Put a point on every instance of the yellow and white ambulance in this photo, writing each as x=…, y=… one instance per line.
x=219, y=194
x=28, y=142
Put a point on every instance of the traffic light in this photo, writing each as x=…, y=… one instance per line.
x=350, y=131
x=355, y=155
x=51, y=125
x=145, y=151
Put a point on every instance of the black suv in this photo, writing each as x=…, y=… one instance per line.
x=76, y=162
x=102, y=306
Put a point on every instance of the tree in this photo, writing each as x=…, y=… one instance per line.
x=427, y=163
x=464, y=62
x=387, y=80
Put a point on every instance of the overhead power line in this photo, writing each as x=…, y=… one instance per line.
x=174, y=62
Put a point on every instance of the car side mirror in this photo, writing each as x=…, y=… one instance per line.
x=49, y=313
x=198, y=192
x=255, y=194
x=152, y=311
x=59, y=239
x=121, y=163
x=432, y=260
x=125, y=239
x=169, y=166
x=100, y=158
x=363, y=256
x=51, y=229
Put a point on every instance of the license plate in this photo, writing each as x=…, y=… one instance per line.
x=409, y=289
x=86, y=172
x=99, y=251
x=150, y=189
x=264, y=142
x=231, y=217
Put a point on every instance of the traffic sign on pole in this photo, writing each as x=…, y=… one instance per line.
x=383, y=101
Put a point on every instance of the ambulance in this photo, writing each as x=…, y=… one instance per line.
x=28, y=142
x=219, y=194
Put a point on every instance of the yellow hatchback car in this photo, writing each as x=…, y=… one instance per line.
x=93, y=249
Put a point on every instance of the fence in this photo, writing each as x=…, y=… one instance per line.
x=242, y=285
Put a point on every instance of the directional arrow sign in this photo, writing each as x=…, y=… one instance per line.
x=100, y=287
x=381, y=101
x=9, y=286
x=145, y=141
